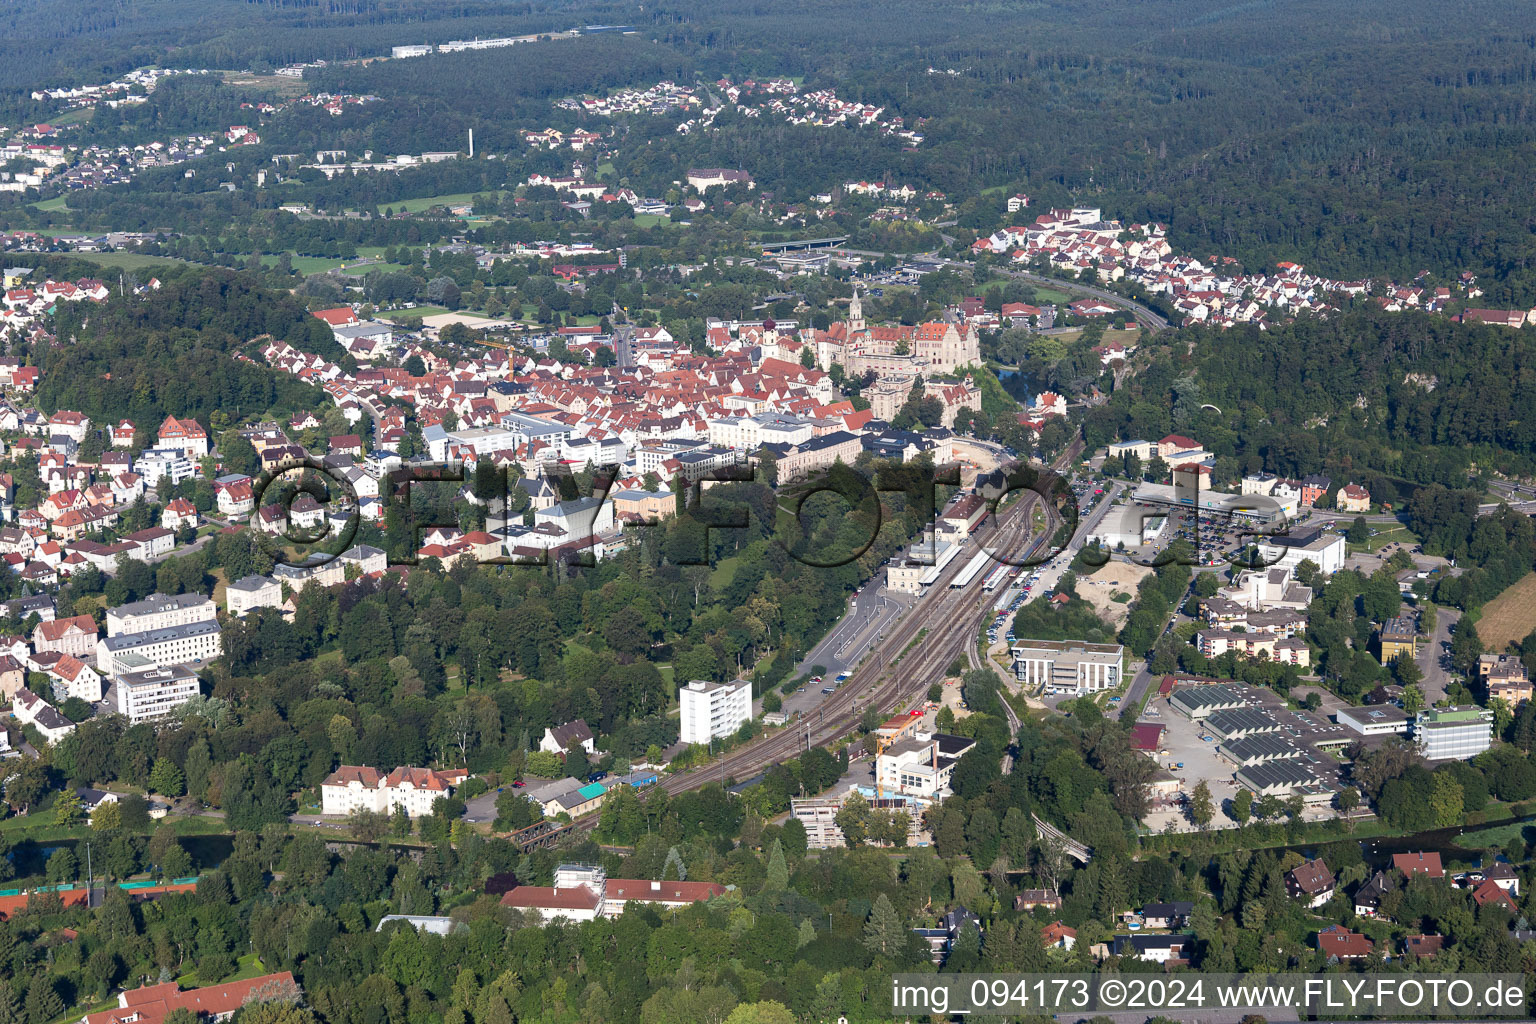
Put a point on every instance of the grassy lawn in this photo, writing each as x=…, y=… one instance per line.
x=38, y=827
x=725, y=572
x=650, y=220
x=50, y=205
x=403, y=316
x=668, y=673
x=78, y=116
x=197, y=825
x=427, y=202
x=220, y=581
x=1051, y=295
x=248, y=966
x=1380, y=539
x=127, y=260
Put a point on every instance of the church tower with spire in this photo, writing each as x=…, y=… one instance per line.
x=855, y=313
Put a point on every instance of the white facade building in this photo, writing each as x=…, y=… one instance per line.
x=351, y=788
x=1068, y=666
x=920, y=765
x=157, y=463
x=153, y=693
x=252, y=592
x=712, y=710
x=159, y=611
x=175, y=645
x=1323, y=549
x=1455, y=733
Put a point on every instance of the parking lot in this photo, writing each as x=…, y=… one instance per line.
x=1216, y=539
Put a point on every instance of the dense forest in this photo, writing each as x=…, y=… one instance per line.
x=1410, y=398
x=171, y=352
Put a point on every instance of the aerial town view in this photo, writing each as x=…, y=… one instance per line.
x=587, y=511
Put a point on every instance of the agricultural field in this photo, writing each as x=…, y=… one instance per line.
x=1511, y=616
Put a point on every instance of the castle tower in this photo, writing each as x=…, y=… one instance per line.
x=855, y=312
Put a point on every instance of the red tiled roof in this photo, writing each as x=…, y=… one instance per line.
x=543, y=897
x=152, y=1003
x=12, y=904
x=1341, y=942
x=348, y=773
x=1055, y=932
x=58, y=628
x=644, y=890
x=1411, y=864
x=1490, y=892
x=339, y=317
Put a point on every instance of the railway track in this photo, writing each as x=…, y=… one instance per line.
x=916, y=651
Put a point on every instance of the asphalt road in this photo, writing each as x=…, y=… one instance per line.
x=870, y=613
x=1434, y=660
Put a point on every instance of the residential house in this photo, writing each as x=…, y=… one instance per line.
x=1504, y=876
x=1369, y=896
x=1029, y=899
x=73, y=677
x=234, y=495
x=1311, y=882
x=1162, y=949
x=1411, y=864
x=1313, y=488
x=1490, y=892
x=1338, y=942
x=75, y=635
x=1058, y=936
x=1505, y=677
x=153, y=542
x=251, y=592
x=1163, y=916
x=560, y=738
x=72, y=425
x=13, y=676
x=30, y=709
x=184, y=435
x=1353, y=498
